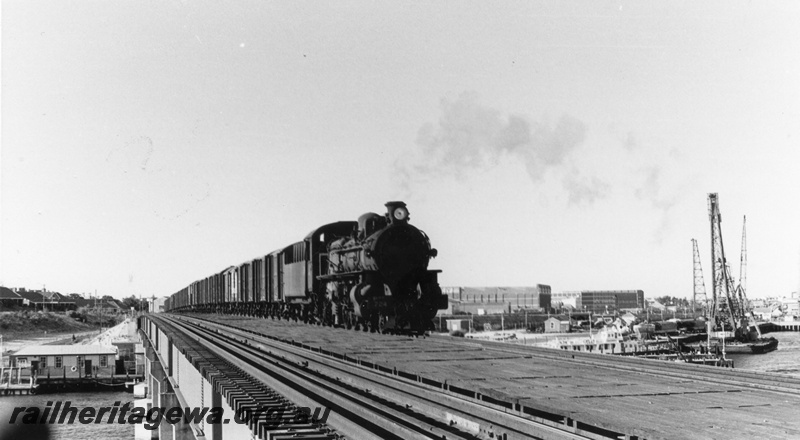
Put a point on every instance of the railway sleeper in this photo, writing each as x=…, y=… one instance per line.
x=278, y=418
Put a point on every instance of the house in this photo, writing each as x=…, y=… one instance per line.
x=156, y=305
x=44, y=300
x=56, y=301
x=67, y=360
x=557, y=324
x=31, y=298
x=111, y=305
x=108, y=305
x=83, y=302
x=458, y=324
x=9, y=298
x=763, y=313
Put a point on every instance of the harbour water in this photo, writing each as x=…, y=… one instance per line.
x=73, y=431
x=784, y=360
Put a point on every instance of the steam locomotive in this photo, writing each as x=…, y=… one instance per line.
x=369, y=275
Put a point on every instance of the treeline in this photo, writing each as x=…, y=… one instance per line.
x=667, y=300
x=97, y=317
x=136, y=303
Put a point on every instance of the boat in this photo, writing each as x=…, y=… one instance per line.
x=758, y=346
x=709, y=359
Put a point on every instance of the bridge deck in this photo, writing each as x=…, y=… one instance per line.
x=636, y=397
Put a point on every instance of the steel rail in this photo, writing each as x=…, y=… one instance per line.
x=479, y=419
x=747, y=379
x=354, y=413
x=241, y=393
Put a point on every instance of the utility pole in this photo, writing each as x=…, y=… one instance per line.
x=97, y=311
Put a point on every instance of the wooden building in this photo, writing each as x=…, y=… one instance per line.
x=557, y=324
x=67, y=360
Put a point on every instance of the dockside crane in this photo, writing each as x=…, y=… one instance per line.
x=741, y=289
x=743, y=257
x=729, y=309
x=699, y=283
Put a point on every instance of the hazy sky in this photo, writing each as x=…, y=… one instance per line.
x=147, y=144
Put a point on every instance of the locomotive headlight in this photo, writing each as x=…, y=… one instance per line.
x=400, y=213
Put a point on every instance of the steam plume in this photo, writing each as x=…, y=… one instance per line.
x=471, y=137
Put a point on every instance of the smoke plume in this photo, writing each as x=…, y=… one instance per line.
x=471, y=137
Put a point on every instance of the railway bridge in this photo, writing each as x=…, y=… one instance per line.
x=273, y=379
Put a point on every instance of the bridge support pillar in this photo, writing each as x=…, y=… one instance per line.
x=158, y=382
x=216, y=402
x=169, y=431
x=158, y=386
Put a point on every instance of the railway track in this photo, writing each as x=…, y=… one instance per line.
x=282, y=418
x=729, y=376
x=364, y=402
x=562, y=390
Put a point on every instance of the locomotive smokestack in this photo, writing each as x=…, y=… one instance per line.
x=396, y=212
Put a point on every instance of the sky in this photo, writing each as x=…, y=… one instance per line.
x=148, y=144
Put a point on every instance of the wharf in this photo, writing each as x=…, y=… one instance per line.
x=98, y=383
x=785, y=326
x=112, y=360
x=612, y=396
x=18, y=390
x=17, y=381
